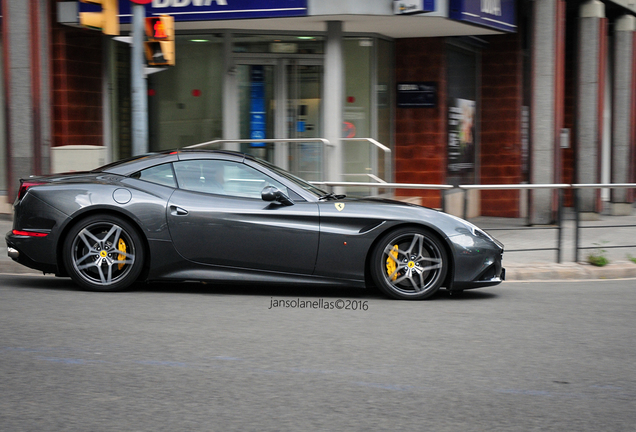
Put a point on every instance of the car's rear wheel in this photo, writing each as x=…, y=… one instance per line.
x=103, y=253
x=409, y=263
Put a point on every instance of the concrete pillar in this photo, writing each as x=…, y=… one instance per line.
x=622, y=111
x=591, y=68
x=231, y=126
x=547, y=103
x=334, y=100
x=27, y=93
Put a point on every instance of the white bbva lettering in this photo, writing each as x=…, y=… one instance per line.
x=491, y=7
x=183, y=3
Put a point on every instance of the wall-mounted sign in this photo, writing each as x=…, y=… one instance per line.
x=209, y=10
x=497, y=14
x=405, y=7
x=417, y=94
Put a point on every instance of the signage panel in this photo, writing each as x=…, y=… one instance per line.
x=417, y=94
x=497, y=14
x=405, y=7
x=209, y=10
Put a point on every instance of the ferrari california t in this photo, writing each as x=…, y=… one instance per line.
x=203, y=215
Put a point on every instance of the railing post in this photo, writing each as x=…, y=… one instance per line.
x=443, y=192
x=576, y=224
x=465, y=209
x=559, y=225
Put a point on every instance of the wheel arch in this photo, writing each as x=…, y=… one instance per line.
x=449, y=278
x=101, y=211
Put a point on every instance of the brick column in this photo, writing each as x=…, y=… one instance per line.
x=622, y=113
x=592, y=43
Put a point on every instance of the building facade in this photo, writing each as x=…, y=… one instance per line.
x=459, y=91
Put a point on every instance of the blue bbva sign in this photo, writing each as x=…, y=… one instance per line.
x=207, y=10
x=497, y=14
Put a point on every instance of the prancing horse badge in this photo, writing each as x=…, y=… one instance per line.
x=339, y=206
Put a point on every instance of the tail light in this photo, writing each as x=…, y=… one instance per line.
x=29, y=233
x=24, y=186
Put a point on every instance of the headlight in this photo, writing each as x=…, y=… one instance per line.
x=473, y=229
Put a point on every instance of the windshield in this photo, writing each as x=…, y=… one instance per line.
x=296, y=180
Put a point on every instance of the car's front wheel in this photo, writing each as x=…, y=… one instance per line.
x=409, y=263
x=103, y=253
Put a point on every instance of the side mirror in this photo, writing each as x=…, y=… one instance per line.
x=272, y=194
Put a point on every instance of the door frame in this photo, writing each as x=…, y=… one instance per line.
x=280, y=63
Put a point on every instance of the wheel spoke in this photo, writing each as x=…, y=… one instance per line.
x=110, y=272
x=101, y=274
x=416, y=287
x=86, y=233
x=390, y=248
x=89, y=265
x=416, y=238
x=130, y=260
x=433, y=267
x=91, y=253
x=401, y=278
x=422, y=284
x=117, y=232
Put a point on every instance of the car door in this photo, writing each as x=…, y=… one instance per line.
x=217, y=217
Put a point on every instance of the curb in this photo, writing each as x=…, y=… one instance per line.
x=539, y=271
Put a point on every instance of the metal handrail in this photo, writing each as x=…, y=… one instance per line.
x=516, y=186
x=384, y=185
x=264, y=140
x=372, y=176
x=385, y=149
x=603, y=185
x=381, y=146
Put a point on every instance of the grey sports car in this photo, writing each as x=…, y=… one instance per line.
x=197, y=215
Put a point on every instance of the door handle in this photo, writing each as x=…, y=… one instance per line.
x=178, y=211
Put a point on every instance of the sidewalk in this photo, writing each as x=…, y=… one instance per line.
x=527, y=265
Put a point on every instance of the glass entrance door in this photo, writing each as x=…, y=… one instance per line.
x=281, y=98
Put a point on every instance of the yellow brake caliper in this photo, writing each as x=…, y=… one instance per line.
x=121, y=246
x=391, y=263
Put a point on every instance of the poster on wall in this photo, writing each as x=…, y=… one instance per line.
x=461, y=140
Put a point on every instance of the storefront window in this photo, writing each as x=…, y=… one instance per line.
x=358, y=155
x=184, y=101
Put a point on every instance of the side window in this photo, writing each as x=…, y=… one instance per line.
x=160, y=174
x=224, y=178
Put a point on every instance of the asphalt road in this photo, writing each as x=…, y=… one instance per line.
x=517, y=357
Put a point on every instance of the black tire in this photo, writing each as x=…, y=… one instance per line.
x=415, y=269
x=103, y=253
